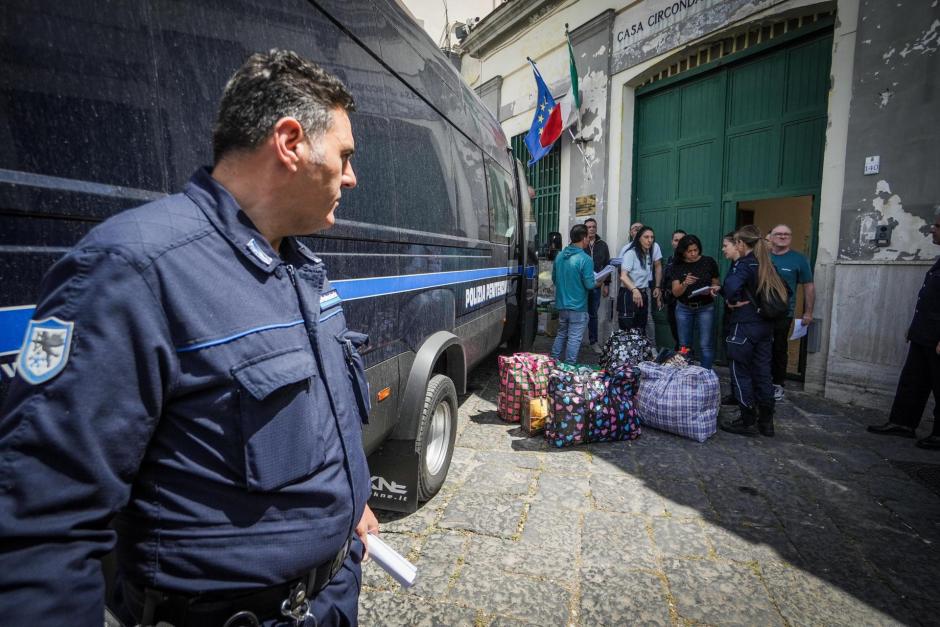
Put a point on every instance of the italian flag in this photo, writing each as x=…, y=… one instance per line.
x=571, y=104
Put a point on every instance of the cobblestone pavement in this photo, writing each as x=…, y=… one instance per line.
x=822, y=524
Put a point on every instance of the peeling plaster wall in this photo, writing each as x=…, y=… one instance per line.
x=893, y=115
x=895, y=104
x=589, y=164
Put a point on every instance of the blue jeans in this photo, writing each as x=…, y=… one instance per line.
x=701, y=319
x=571, y=326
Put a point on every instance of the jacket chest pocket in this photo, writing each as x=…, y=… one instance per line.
x=350, y=342
x=279, y=418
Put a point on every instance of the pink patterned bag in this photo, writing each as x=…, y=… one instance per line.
x=522, y=377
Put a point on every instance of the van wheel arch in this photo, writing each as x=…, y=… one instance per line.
x=441, y=353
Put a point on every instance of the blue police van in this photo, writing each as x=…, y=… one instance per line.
x=108, y=105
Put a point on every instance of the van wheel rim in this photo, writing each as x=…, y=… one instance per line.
x=439, y=439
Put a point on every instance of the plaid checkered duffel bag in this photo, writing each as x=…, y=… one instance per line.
x=626, y=349
x=522, y=377
x=683, y=400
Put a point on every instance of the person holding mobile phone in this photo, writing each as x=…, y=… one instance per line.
x=693, y=275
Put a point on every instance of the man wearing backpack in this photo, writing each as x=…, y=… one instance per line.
x=795, y=270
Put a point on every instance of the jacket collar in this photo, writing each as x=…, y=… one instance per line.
x=222, y=210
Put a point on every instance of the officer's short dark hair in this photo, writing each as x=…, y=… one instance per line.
x=578, y=233
x=270, y=86
x=590, y=220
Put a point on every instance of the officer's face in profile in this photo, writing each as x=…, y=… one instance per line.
x=935, y=231
x=326, y=171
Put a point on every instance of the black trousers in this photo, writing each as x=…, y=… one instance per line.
x=594, y=301
x=919, y=377
x=629, y=315
x=673, y=324
x=778, y=362
x=749, y=346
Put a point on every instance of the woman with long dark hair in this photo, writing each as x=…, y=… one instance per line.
x=636, y=273
x=695, y=312
x=752, y=279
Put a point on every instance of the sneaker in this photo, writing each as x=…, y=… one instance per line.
x=778, y=392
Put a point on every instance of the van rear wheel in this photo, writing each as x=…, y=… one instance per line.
x=437, y=435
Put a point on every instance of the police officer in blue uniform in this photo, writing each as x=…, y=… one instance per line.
x=921, y=372
x=189, y=373
x=750, y=338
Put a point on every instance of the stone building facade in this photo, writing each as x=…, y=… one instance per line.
x=708, y=114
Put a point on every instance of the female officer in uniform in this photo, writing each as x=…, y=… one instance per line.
x=751, y=336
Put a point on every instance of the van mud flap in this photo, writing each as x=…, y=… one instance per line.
x=393, y=468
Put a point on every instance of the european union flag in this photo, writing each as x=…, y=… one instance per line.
x=546, y=125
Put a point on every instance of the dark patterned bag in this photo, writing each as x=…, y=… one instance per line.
x=626, y=349
x=590, y=406
x=573, y=392
x=616, y=417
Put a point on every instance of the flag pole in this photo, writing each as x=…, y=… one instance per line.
x=576, y=97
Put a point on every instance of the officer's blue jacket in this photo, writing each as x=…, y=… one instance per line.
x=742, y=278
x=211, y=394
x=925, y=325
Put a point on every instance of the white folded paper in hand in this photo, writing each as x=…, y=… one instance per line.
x=799, y=329
x=403, y=571
x=701, y=291
x=603, y=273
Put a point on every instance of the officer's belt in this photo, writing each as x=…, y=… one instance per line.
x=180, y=610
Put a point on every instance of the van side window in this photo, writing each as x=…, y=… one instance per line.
x=502, y=202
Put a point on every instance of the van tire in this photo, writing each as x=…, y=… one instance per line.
x=437, y=434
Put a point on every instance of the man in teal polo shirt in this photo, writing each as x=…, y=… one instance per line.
x=573, y=276
x=795, y=270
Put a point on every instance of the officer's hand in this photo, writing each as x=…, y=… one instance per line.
x=606, y=289
x=807, y=319
x=367, y=524
x=938, y=352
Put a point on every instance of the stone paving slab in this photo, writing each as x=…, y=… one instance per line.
x=722, y=593
x=489, y=514
x=637, y=598
x=819, y=525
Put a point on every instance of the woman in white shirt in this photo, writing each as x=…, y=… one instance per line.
x=636, y=273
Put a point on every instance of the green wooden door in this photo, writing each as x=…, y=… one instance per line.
x=679, y=157
x=747, y=128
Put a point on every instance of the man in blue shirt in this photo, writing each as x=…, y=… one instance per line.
x=573, y=276
x=794, y=269
x=188, y=377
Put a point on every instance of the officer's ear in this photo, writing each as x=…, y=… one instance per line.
x=287, y=137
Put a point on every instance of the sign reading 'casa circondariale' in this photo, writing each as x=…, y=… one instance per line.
x=656, y=26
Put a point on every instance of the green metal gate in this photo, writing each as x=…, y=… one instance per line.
x=749, y=126
x=545, y=177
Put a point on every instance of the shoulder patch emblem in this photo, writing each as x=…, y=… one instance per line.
x=329, y=299
x=45, y=349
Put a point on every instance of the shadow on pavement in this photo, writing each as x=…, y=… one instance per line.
x=824, y=502
x=822, y=524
